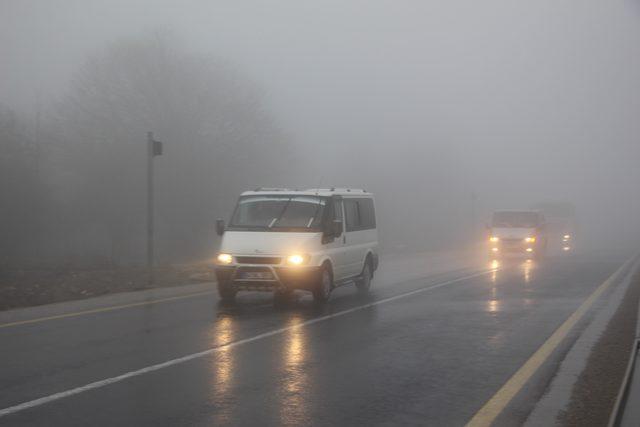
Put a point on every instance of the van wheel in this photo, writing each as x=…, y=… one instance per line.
x=363, y=283
x=227, y=292
x=323, y=288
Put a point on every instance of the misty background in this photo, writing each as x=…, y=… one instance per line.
x=445, y=110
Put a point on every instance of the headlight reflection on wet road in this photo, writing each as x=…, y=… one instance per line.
x=495, y=265
x=527, y=267
x=223, y=366
x=294, y=407
x=493, y=305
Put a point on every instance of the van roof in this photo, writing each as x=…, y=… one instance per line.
x=310, y=192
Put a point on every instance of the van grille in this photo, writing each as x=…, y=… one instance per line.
x=258, y=260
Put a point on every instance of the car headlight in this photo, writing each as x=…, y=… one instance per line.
x=494, y=239
x=297, y=259
x=225, y=259
x=530, y=239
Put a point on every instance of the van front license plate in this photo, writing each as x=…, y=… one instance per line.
x=257, y=275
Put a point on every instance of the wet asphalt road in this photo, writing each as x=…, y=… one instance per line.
x=430, y=358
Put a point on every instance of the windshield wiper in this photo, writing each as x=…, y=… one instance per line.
x=314, y=215
x=275, y=220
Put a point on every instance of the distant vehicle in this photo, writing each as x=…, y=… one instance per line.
x=562, y=224
x=517, y=232
x=279, y=240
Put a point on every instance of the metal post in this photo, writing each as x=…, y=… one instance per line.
x=154, y=148
x=150, y=260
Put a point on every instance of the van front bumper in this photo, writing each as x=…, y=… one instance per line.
x=267, y=278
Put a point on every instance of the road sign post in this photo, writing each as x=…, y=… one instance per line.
x=154, y=148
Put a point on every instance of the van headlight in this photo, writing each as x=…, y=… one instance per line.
x=530, y=239
x=297, y=259
x=494, y=239
x=225, y=258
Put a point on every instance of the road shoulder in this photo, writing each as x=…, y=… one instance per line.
x=584, y=390
x=102, y=303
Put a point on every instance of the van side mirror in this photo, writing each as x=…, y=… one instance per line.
x=220, y=226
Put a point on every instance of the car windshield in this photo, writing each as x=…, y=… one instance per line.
x=281, y=213
x=515, y=219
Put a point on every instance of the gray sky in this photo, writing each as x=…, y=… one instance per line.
x=534, y=100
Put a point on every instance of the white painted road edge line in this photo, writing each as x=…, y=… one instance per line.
x=131, y=374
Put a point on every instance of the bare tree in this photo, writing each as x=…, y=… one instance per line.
x=23, y=193
x=219, y=139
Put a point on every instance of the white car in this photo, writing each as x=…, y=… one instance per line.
x=518, y=233
x=279, y=240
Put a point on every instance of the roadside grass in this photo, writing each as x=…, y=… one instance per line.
x=31, y=287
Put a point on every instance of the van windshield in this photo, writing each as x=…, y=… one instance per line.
x=515, y=219
x=278, y=213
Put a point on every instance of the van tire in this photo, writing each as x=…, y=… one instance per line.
x=227, y=293
x=363, y=283
x=323, y=288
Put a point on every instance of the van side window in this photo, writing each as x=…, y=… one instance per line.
x=337, y=210
x=360, y=214
x=351, y=214
x=367, y=214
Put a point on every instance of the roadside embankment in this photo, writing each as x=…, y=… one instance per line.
x=32, y=287
x=28, y=288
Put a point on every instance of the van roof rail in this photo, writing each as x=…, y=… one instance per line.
x=271, y=189
x=348, y=190
x=316, y=190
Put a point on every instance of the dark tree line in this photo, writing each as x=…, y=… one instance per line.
x=84, y=201
x=23, y=188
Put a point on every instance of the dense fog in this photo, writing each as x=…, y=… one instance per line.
x=444, y=110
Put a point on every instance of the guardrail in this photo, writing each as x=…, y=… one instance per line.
x=617, y=415
x=621, y=401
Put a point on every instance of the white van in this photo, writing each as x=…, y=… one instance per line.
x=517, y=232
x=279, y=240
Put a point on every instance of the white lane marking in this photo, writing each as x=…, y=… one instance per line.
x=131, y=374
